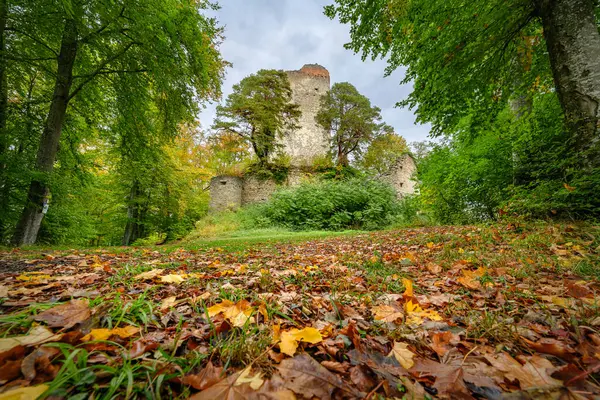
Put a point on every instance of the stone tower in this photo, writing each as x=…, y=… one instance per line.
x=310, y=140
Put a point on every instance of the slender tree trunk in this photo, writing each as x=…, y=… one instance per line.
x=133, y=228
x=3, y=119
x=573, y=43
x=38, y=196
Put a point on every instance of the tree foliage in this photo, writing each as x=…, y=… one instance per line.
x=382, y=152
x=80, y=75
x=351, y=121
x=260, y=110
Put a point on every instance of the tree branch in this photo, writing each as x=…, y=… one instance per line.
x=99, y=70
x=38, y=41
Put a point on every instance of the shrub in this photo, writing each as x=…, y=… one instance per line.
x=333, y=205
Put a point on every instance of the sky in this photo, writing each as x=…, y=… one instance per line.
x=286, y=34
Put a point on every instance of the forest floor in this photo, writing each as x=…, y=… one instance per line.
x=510, y=310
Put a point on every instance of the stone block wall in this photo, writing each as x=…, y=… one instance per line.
x=310, y=140
x=400, y=176
x=257, y=190
x=225, y=193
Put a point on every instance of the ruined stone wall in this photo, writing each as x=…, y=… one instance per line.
x=310, y=140
x=225, y=193
x=257, y=190
x=400, y=174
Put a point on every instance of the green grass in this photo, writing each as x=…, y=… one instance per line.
x=240, y=240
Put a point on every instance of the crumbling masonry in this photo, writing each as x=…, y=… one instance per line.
x=303, y=146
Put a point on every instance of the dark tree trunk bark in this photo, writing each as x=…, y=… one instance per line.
x=38, y=196
x=134, y=229
x=3, y=119
x=573, y=42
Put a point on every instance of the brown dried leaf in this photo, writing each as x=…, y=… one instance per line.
x=209, y=376
x=306, y=377
x=65, y=315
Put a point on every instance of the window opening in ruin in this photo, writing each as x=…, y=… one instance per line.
x=223, y=182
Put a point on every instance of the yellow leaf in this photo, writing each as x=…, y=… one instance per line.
x=408, y=292
x=276, y=333
x=416, y=314
x=168, y=302
x=263, y=310
x=104, y=334
x=430, y=245
x=386, y=313
x=401, y=353
x=172, y=278
x=291, y=338
x=37, y=335
x=32, y=277
x=24, y=393
x=148, y=275
x=255, y=381
x=238, y=314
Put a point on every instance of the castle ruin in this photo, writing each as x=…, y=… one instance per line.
x=303, y=146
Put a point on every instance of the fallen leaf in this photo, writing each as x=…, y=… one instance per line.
x=441, y=342
x=306, y=377
x=172, y=278
x=387, y=313
x=207, y=377
x=105, y=334
x=535, y=373
x=10, y=363
x=65, y=315
x=415, y=314
x=226, y=389
x=255, y=381
x=168, y=302
x=291, y=338
x=24, y=393
x=148, y=275
x=401, y=353
x=3, y=291
x=408, y=291
x=39, y=362
x=236, y=313
x=37, y=335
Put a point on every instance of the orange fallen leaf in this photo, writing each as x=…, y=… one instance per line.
x=105, y=334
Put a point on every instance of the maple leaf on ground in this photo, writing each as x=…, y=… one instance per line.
x=535, y=373
x=306, y=377
x=290, y=339
x=37, y=335
x=237, y=313
x=65, y=315
x=387, y=313
x=471, y=279
x=415, y=314
x=105, y=334
x=401, y=353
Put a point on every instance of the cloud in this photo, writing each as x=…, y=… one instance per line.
x=286, y=34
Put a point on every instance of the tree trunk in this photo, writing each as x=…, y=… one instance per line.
x=38, y=196
x=134, y=228
x=573, y=44
x=3, y=118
